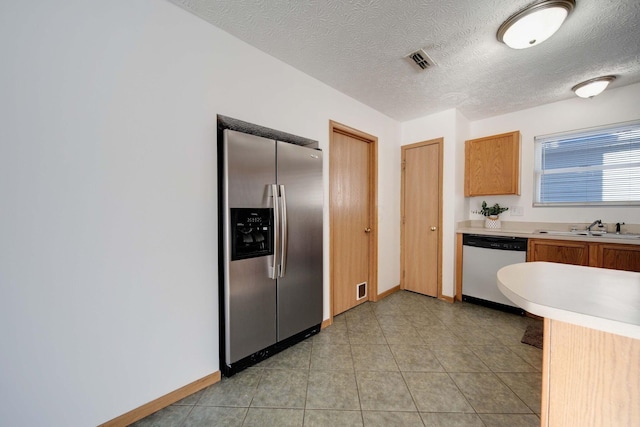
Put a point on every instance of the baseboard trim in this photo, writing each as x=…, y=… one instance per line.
x=326, y=323
x=162, y=402
x=388, y=292
x=447, y=298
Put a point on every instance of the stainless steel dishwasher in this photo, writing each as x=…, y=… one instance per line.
x=482, y=257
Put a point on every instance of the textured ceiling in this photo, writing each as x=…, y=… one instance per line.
x=359, y=47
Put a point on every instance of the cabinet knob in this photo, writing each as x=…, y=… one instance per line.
x=433, y=228
x=367, y=230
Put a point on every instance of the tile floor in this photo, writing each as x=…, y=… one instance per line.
x=407, y=360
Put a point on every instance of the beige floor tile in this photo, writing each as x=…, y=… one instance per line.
x=373, y=357
x=510, y=420
x=501, y=359
x=331, y=357
x=262, y=417
x=459, y=359
x=415, y=358
x=384, y=392
x=386, y=419
x=325, y=418
x=332, y=390
x=526, y=385
x=487, y=394
x=436, y=392
x=451, y=420
x=281, y=388
x=460, y=365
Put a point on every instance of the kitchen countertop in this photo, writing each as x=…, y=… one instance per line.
x=526, y=230
x=597, y=298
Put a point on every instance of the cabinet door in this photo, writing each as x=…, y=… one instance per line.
x=617, y=257
x=561, y=251
x=492, y=165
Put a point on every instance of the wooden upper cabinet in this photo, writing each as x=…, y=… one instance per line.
x=492, y=165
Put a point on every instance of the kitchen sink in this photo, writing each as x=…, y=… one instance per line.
x=563, y=233
x=588, y=234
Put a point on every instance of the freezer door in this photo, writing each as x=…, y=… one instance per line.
x=249, y=293
x=250, y=169
x=300, y=287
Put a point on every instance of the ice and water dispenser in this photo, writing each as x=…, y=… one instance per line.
x=251, y=233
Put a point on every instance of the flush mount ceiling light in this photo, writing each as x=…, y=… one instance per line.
x=534, y=24
x=592, y=87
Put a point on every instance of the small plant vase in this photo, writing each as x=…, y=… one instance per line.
x=493, y=222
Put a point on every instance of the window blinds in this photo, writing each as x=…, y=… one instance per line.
x=594, y=166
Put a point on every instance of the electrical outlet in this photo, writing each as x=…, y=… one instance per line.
x=516, y=210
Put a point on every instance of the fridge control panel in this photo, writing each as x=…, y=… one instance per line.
x=251, y=233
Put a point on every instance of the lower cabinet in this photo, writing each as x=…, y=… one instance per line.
x=561, y=251
x=617, y=257
x=605, y=255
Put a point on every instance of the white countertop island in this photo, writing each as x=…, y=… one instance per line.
x=591, y=347
x=597, y=298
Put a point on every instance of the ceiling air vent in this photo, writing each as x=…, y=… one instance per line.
x=421, y=59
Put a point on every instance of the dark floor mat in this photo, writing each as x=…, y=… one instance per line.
x=533, y=335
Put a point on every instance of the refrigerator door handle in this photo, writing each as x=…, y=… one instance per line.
x=273, y=269
x=283, y=232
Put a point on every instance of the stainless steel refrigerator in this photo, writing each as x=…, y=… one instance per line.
x=271, y=280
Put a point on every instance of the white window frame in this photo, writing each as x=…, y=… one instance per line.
x=539, y=141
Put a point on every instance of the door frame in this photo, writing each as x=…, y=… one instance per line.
x=372, y=291
x=404, y=149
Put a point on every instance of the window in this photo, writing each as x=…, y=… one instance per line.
x=599, y=166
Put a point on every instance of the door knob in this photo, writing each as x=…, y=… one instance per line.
x=433, y=228
x=367, y=230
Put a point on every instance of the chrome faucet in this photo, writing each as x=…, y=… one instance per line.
x=598, y=222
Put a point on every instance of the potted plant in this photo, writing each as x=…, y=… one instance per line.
x=491, y=214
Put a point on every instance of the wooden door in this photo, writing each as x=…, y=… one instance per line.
x=353, y=234
x=421, y=217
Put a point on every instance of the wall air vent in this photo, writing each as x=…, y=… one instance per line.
x=421, y=59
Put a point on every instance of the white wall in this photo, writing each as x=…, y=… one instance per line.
x=612, y=106
x=108, y=242
x=453, y=127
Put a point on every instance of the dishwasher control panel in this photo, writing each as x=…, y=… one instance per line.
x=495, y=242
